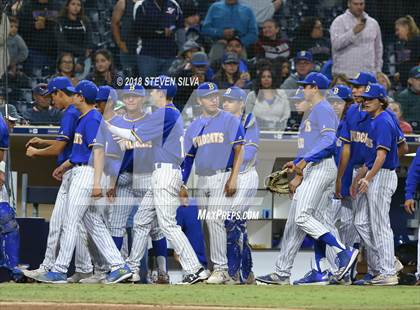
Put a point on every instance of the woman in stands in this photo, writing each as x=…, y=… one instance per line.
x=103, y=69
x=66, y=65
x=73, y=32
x=310, y=37
x=270, y=104
x=408, y=55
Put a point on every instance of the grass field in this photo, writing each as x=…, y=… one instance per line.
x=330, y=297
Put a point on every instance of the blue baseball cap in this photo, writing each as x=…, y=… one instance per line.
x=374, y=91
x=134, y=89
x=363, y=79
x=87, y=89
x=60, y=83
x=304, y=55
x=207, y=89
x=414, y=72
x=316, y=79
x=235, y=93
x=298, y=96
x=340, y=92
x=104, y=92
x=166, y=84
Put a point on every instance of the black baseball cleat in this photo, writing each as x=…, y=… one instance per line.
x=193, y=278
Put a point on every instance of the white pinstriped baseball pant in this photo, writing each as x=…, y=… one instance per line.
x=80, y=208
x=379, y=195
x=311, y=202
x=211, y=196
x=159, y=207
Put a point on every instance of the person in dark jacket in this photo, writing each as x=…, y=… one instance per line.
x=73, y=32
x=408, y=55
x=310, y=37
x=155, y=23
x=37, y=23
x=42, y=112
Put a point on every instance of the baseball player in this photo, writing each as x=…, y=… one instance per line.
x=80, y=205
x=412, y=181
x=62, y=92
x=164, y=128
x=134, y=179
x=238, y=249
x=353, y=136
x=215, y=142
x=379, y=180
x=9, y=228
x=316, y=133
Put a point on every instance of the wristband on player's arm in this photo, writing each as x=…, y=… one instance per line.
x=2, y=167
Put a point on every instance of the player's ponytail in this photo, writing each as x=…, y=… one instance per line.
x=410, y=23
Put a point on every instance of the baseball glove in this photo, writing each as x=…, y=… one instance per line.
x=277, y=182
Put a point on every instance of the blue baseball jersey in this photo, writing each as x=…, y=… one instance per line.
x=4, y=134
x=213, y=139
x=252, y=142
x=317, y=133
x=84, y=136
x=164, y=129
x=383, y=134
x=138, y=157
x=113, y=156
x=413, y=177
x=68, y=125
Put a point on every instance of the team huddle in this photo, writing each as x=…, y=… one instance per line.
x=129, y=172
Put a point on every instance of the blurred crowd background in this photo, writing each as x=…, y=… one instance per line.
x=263, y=46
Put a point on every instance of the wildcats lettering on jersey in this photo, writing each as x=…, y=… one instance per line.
x=130, y=145
x=359, y=137
x=78, y=138
x=209, y=138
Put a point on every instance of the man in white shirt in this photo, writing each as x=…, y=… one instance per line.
x=356, y=41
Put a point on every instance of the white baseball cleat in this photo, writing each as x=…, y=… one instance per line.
x=218, y=277
x=385, y=280
x=78, y=276
x=94, y=279
x=34, y=273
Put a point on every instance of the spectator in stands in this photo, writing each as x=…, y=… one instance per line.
x=4, y=32
x=73, y=32
x=229, y=74
x=356, y=41
x=405, y=127
x=37, y=24
x=227, y=19
x=42, y=112
x=183, y=61
x=384, y=80
x=192, y=28
x=310, y=37
x=409, y=98
x=196, y=73
x=11, y=109
x=234, y=45
x=122, y=30
x=409, y=55
x=103, y=69
x=65, y=67
x=339, y=79
x=155, y=23
x=263, y=9
x=270, y=45
x=304, y=65
x=18, y=51
x=269, y=104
